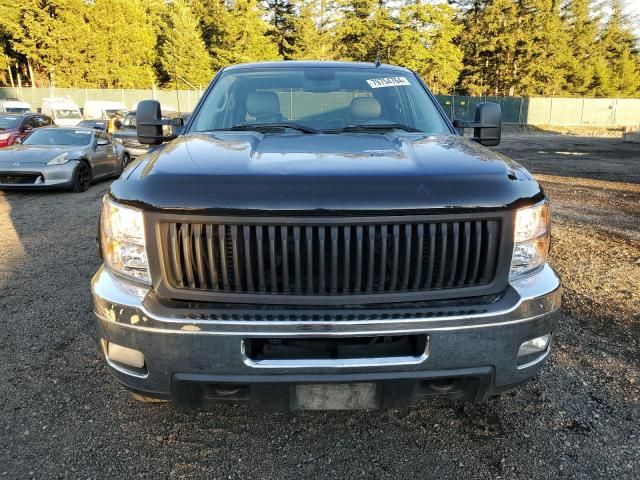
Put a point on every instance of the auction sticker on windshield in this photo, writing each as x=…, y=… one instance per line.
x=388, y=82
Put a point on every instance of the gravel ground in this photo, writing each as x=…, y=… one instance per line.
x=63, y=416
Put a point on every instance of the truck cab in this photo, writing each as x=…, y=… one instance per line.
x=321, y=236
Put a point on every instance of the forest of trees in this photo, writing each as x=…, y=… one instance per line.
x=476, y=47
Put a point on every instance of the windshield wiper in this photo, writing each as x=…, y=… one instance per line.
x=382, y=127
x=270, y=126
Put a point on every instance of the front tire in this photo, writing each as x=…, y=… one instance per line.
x=81, y=178
x=126, y=160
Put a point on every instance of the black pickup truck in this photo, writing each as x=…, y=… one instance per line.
x=321, y=236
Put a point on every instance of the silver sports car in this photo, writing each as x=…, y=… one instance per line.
x=61, y=158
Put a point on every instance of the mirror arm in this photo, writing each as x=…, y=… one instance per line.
x=465, y=124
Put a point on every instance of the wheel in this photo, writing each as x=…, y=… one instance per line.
x=126, y=160
x=81, y=177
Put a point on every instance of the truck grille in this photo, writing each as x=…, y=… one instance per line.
x=330, y=259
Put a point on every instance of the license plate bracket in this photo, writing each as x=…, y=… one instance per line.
x=334, y=396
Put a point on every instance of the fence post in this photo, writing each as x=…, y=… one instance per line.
x=582, y=113
x=453, y=107
x=550, y=110
x=615, y=112
x=153, y=91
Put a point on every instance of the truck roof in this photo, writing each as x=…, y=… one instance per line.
x=316, y=64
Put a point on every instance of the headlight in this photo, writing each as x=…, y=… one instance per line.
x=4, y=136
x=531, y=239
x=59, y=160
x=122, y=241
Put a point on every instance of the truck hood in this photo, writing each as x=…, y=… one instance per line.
x=25, y=154
x=246, y=172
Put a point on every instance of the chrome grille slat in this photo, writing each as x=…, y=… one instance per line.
x=334, y=259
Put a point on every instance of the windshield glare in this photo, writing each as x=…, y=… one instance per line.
x=7, y=121
x=66, y=113
x=322, y=98
x=76, y=138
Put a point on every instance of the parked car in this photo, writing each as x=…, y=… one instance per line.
x=103, y=109
x=97, y=124
x=61, y=158
x=64, y=112
x=128, y=134
x=320, y=236
x=15, y=126
x=14, y=106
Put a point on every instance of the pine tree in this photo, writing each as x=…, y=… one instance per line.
x=489, y=39
x=309, y=43
x=121, y=52
x=543, y=56
x=582, y=31
x=282, y=19
x=183, y=58
x=236, y=34
x=365, y=31
x=425, y=44
x=619, y=71
x=51, y=37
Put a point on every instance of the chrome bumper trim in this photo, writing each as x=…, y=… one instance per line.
x=123, y=304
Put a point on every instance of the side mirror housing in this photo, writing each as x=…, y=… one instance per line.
x=149, y=123
x=487, y=126
x=102, y=142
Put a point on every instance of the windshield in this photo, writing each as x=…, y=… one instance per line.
x=61, y=114
x=115, y=112
x=17, y=109
x=323, y=99
x=54, y=136
x=9, y=121
x=93, y=124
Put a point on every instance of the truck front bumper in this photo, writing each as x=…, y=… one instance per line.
x=189, y=357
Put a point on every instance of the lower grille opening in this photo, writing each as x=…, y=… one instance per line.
x=335, y=348
x=19, y=178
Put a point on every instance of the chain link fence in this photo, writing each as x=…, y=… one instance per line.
x=558, y=111
x=601, y=112
x=171, y=100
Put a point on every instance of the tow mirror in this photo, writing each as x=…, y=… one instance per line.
x=487, y=127
x=149, y=123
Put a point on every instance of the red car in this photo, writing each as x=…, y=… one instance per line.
x=19, y=125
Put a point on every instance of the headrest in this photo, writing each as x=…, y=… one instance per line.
x=263, y=103
x=365, y=108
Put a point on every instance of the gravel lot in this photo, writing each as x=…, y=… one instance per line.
x=63, y=416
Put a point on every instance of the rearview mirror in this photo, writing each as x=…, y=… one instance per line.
x=487, y=127
x=102, y=142
x=149, y=123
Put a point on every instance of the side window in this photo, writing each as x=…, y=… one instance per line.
x=103, y=136
x=31, y=122
x=41, y=121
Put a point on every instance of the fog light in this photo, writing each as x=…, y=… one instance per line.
x=532, y=351
x=124, y=355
